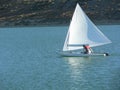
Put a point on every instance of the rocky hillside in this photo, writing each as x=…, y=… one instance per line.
x=50, y=12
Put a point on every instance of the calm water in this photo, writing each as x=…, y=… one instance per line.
x=28, y=61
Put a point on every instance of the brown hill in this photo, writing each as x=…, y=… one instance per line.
x=47, y=12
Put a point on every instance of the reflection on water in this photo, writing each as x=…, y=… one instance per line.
x=77, y=66
x=90, y=71
x=76, y=61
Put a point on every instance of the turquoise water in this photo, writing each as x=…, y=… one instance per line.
x=28, y=61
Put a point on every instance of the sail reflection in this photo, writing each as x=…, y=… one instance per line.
x=77, y=62
x=77, y=66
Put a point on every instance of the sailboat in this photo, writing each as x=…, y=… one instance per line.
x=82, y=31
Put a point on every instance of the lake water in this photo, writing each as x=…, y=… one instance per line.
x=28, y=61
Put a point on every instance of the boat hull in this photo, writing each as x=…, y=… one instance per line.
x=79, y=54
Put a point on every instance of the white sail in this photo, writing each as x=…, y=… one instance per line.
x=82, y=31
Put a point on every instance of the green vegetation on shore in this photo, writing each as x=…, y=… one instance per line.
x=52, y=12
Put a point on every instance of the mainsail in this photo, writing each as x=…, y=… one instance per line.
x=82, y=31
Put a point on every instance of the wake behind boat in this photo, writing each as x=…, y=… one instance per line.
x=83, y=33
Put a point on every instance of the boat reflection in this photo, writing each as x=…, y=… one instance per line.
x=77, y=62
x=77, y=67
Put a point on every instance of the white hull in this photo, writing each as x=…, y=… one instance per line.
x=79, y=54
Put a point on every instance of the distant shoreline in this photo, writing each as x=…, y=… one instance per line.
x=57, y=23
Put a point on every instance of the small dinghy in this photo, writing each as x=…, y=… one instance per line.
x=81, y=32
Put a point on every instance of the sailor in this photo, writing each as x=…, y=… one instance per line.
x=87, y=49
